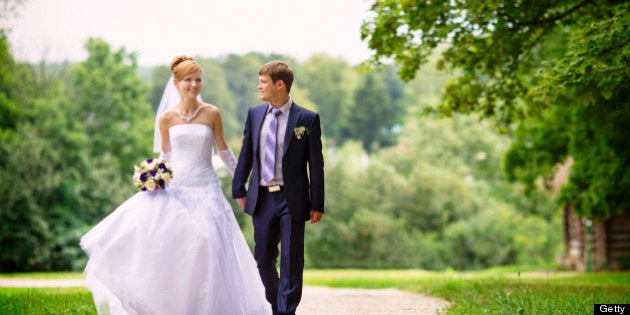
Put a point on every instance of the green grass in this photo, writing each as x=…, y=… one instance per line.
x=46, y=301
x=43, y=275
x=494, y=291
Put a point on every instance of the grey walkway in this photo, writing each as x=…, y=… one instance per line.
x=315, y=300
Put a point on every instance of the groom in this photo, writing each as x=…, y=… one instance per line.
x=282, y=150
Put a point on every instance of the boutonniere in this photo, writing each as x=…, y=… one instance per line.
x=300, y=131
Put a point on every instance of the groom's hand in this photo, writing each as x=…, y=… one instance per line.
x=241, y=202
x=316, y=216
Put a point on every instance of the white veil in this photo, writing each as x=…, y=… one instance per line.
x=170, y=98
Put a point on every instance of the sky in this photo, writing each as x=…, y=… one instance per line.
x=158, y=30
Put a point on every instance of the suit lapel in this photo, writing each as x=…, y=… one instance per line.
x=259, y=117
x=294, y=117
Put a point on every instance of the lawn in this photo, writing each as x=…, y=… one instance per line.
x=492, y=291
x=40, y=301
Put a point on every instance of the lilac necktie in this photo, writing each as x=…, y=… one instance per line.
x=269, y=169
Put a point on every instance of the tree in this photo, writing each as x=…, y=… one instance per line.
x=395, y=86
x=525, y=64
x=111, y=101
x=23, y=175
x=241, y=73
x=159, y=78
x=591, y=85
x=8, y=103
x=428, y=197
x=53, y=186
x=215, y=91
x=372, y=116
x=8, y=7
x=330, y=82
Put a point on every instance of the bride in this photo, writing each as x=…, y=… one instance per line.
x=179, y=250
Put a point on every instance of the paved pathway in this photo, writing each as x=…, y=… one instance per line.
x=315, y=300
x=336, y=301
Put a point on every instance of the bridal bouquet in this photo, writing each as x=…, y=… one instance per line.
x=152, y=174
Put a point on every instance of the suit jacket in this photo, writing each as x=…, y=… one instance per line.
x=302, y=162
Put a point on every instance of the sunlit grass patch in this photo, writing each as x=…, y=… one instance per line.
x=46, y=301
x=493, y=291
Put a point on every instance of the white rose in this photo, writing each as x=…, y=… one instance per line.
x=166, y=177
x=150, y=185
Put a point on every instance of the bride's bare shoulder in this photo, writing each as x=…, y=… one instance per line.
x=168, y=117
x=209, y=107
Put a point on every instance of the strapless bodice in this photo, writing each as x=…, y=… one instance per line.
x=191, y=154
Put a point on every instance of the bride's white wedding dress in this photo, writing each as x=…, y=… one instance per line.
x=178, y=251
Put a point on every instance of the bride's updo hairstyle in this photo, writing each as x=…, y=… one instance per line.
x=183, y=65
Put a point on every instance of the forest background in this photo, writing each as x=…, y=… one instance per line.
x=406, y=187
x=404, y=190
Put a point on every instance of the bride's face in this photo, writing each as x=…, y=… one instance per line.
x=190, y=86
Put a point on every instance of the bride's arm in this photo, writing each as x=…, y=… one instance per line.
x=225, y=152
x=164, y=125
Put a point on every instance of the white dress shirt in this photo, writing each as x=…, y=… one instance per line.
x=283, y=118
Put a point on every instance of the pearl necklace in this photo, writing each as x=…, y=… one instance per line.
x=191, y=117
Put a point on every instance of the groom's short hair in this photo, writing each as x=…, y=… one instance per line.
x=278, y=70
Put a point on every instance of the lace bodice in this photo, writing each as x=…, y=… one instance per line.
x=191, y=155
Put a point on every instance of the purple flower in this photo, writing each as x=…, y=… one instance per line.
x=145, y=178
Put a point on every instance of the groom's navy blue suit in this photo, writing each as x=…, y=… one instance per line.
x=280, y=216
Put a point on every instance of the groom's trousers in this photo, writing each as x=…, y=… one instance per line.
x=272, y=226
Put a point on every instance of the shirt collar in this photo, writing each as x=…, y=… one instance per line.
x=285, y=108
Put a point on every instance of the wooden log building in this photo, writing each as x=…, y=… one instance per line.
x=592, y=245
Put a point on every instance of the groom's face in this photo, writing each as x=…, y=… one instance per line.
x=268, y=91
x=265, y=87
